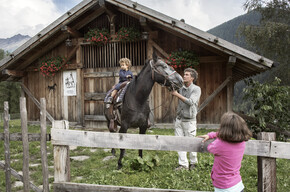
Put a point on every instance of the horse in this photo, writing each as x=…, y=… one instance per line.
x=135, y=109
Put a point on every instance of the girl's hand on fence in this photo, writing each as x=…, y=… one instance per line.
x=206, y=137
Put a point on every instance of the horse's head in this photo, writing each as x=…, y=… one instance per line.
x=164, y=74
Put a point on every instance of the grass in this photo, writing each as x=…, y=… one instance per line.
x=96, y=171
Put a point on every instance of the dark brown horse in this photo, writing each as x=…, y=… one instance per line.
x=135, y=108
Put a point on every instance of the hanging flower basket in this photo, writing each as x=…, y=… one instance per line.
x=98, y=36
x=50, y=66
x=128, y=34
x=182, y=59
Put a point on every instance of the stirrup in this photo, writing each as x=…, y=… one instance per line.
x=109, y=100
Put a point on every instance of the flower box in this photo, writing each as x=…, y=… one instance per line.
x=50, y=66
x=182, y=59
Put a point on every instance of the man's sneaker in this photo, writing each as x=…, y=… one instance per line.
x=181, y=167
x=192, y=166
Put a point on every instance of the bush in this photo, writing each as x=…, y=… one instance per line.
x=270, y=105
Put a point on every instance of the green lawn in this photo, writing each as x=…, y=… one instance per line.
x=155, y=171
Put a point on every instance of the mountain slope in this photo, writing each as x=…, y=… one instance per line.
x=12, y=43
x=228, y=30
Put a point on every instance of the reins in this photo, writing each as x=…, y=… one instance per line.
x=166, y=77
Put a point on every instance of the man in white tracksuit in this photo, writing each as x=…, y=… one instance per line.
x=185, y=124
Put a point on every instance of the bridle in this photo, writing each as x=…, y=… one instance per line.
x=166, y=77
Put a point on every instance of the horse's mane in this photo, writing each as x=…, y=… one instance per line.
x=146, y=63
x=135, y=79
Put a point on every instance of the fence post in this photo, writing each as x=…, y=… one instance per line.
x=267, y=167
x=43, y=145
x=61, y=156
x=25, y=144
x=7, y=147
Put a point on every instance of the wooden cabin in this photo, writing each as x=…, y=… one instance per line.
x=94, y=69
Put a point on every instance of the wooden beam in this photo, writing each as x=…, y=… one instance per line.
x=43, y=146
x=95, y=118
x=80, y=87
x=79, y=187
x=25, y=144
x=73, y=66
x=230, y=85
x=89, y=17
x=35, y=101
x=61, y=156
x=211, y=59
x=211, y=97
x=101, y=74
x=18, y=137
x=158, y=48
x=7, y=166
x=20, y=178
x=144, y=24
x=13, y=73
x=156, y=142
x=267, y=168
x=95, y=96
x=72, y=53
x=73, y=32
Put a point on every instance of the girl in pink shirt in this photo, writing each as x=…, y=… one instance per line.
x=228, y=150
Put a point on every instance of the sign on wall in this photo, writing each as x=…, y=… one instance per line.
x=70, y=83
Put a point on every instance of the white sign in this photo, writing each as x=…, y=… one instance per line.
x=70, y=83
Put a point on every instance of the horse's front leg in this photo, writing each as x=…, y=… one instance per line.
x=123, y=129
x=142, y=130
x=113, y=151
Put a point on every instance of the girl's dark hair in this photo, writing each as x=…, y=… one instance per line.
x=233, y=128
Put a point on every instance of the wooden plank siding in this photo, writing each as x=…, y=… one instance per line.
x=211, y=75
x=98, y=69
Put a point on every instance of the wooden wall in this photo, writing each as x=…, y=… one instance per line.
x=94, y=85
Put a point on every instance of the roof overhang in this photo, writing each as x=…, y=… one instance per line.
x=249, y=62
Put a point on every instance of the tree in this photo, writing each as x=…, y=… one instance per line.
x=271, y=106
x=271, y=37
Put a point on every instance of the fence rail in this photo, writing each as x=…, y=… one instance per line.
x=10, y=116
x=261, y=148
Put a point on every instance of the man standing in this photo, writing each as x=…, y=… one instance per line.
x=185, y=125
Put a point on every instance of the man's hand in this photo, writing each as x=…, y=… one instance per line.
x=174, y=93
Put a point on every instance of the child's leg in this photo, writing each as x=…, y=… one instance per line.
x=113, y=93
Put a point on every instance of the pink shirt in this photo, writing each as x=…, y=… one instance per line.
x=227, y=162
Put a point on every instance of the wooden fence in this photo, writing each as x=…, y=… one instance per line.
x=25, y=137
x=61, y=137
x=265, y=148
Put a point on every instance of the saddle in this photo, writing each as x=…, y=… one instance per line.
x=113, y=110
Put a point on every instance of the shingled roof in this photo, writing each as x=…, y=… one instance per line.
x=248, y=63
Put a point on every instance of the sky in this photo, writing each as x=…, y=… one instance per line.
x=28, y=17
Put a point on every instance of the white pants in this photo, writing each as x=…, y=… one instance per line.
x=187, y=129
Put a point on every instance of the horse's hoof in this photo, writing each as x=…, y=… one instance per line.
x=119, y=166
x=113, y=152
